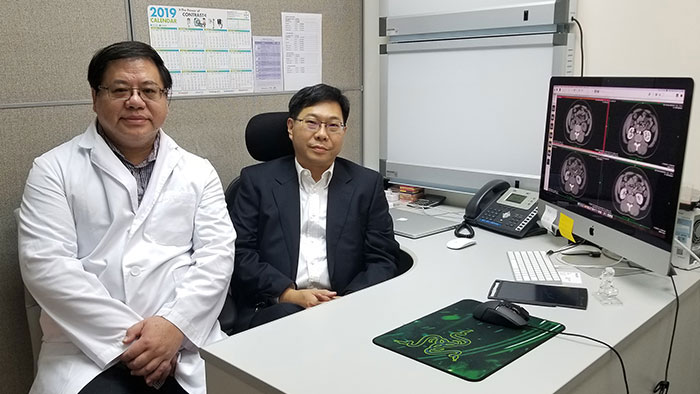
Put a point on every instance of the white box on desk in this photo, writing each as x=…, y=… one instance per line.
x=688, y=232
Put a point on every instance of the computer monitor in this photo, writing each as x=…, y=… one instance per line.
x=613, y=160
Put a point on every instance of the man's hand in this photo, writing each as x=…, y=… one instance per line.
x=161, y=373
x=307, y=298
x=152, y=353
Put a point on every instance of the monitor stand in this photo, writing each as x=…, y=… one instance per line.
x=594, y=266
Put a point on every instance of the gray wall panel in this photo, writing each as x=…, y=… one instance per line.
x=46, y=46
x=26, y=134
x=352, y=147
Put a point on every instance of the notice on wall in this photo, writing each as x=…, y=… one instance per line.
x=302, y=50
x=267, y=58
x=208, y=51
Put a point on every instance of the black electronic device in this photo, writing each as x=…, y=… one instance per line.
x=538, y=294
x=427, y=201
x=501, y=313
x=503, y=209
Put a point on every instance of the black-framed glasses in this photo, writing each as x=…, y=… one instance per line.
x=315, y=125
x=123, y=92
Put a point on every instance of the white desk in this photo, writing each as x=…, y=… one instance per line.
x=329, y=349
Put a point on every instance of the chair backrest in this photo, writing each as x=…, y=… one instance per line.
x=33, y=311
x=266, y=136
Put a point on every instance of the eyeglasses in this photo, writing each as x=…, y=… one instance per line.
x=315, y=125
x=121, y=92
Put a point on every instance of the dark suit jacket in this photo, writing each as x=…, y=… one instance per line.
x=361, y=248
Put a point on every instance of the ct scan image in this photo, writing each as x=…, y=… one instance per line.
x=644, y=132
x=637, y=195
x=640, y=131
x=579, y=121
x=574, y=175
x=632, y=193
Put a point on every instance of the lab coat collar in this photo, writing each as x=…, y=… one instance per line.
x=102, y=156
x=169, y=154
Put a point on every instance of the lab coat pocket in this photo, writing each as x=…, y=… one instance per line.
x=171, y=220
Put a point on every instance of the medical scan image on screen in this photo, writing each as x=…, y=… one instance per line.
x=632, y=193
x=613, y=154
x=578, y=123
x=640, y=132
x=574, y=176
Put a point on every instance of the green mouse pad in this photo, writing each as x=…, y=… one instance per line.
x=451, y=340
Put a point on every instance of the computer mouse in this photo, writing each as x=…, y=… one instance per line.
x=460, y=243
x=501, y=313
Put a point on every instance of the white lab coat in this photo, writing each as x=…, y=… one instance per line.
x=97, y=262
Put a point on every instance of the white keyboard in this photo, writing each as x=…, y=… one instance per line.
x=533, y=266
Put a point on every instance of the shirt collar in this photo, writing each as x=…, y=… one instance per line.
x=151, y=156
x=306, y=180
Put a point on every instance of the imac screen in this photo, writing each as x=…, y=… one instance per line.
x=614, y=152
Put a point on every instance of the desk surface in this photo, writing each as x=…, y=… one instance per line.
x=329, y=348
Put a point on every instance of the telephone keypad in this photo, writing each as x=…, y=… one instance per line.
x=512, y=212
x=506, y=217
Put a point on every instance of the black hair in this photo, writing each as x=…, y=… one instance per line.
x=312, y=95
x=125, y=50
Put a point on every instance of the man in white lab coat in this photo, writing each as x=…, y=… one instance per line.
x=125, y=242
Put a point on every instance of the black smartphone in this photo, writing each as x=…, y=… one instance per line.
x=538, y=294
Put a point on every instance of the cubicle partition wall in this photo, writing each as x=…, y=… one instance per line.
x=45, y=100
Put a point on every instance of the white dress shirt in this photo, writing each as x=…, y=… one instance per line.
x=312, y=271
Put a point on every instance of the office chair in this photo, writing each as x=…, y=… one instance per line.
x=266, y=138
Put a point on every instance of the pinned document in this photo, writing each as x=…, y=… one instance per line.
x=207, y=50
x=548, y=218
x=268, y=63
x=301, y=50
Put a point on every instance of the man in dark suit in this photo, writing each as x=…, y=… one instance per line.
x=310, y=227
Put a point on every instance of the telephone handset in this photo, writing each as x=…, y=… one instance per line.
x=502, y=209
x=483, y=198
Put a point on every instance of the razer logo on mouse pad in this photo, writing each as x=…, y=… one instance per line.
x=439, y=345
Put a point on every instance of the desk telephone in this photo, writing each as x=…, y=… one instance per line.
x=502, y=209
